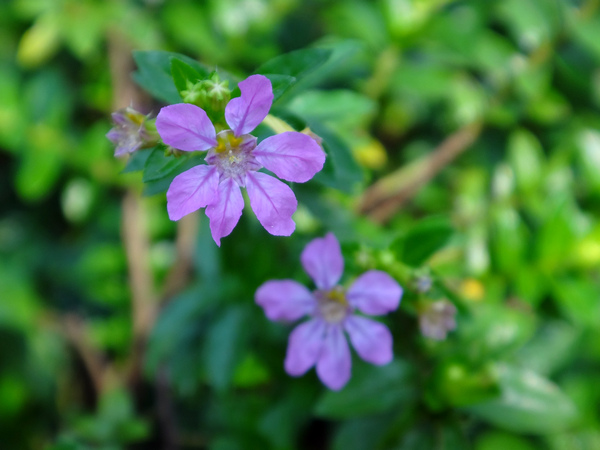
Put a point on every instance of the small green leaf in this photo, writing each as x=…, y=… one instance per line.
x=280, y=83
x=137, y=160
x=363, y=433
x=341, y=171
x=159, y=166
x=578, y=299
x=552, y=348
x=497, y=440
x=371, y=390
x=183, y=72
x=423, y=240
x=154, y=73
x=529, y=403
x=224, y=346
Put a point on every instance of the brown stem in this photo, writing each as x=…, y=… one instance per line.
x=178, y=276
x=73, y=328
x=381, y=201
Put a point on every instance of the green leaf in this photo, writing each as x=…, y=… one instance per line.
x=224, y=346
x=182, y=73
x=280, y=83
x=284, y=71
x=287, y=415
x=137, y=160
x=509, y=240
x=41, y=164
x=371, y=390
x=551, y=349
x=297, y=63
x=497, y=440
x=341, y=171
x=154, y=73
x=344, y=109
x=361, y=434
x=423, y=240
x=579, y=301
x=494, y=331
x=160, y=171
x=159, y=166
x=182, y=313
x=526, y=157
x=529, y=403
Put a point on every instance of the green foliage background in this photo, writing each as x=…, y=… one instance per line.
x=508, y=230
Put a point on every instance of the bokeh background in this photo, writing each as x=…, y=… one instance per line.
x=469, y=135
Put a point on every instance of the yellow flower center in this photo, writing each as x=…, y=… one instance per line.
x=333, y=304
x=227, y=142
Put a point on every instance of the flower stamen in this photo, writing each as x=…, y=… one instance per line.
x=333, y=304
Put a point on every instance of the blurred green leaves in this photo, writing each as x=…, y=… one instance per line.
x=528, y=404
x=508, y=230
x=372, y=390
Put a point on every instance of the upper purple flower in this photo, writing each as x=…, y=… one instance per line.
x=233, y=161
x=321, y=339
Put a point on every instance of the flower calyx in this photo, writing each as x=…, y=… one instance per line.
x=211, y=95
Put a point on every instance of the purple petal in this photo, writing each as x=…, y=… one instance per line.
x=322, y=260
x=243, y=114
x=284, y=300
x=374, y=293
x=291, y=155
x=371, y=340
x=225, y=212
x=334, y=362
x=273, y=202
x=304, y=347
x=186, y=127
x=191, y=190
x=114, y=135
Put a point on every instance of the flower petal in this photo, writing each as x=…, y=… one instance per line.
x=243, y=114
x=333, y=366
x=374, y=293
x=191, y=190
x=304, y=347
x=273, y=202
x=225, y=212
x=322, y=260
x=371, y=340
x=186, y=127
x=291, y=155
x=284, y=299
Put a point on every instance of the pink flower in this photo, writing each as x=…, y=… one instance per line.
x=233, y=161
x=321, y=340
x=436, y=319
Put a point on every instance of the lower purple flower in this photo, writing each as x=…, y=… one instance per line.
x=321, y=340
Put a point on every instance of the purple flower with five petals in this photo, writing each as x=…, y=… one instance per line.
x=233, y=161
x=321, y=340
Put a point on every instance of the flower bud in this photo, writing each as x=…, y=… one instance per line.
x=132, y=131
x=436, y=319
x=212, y=94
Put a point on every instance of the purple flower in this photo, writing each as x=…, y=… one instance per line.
x=321, y=340
x=436, y=319
x=131, y=131
x=233, y=161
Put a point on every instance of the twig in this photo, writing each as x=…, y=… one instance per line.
x=178, y=276
x=381, y=201
x=94, y=362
